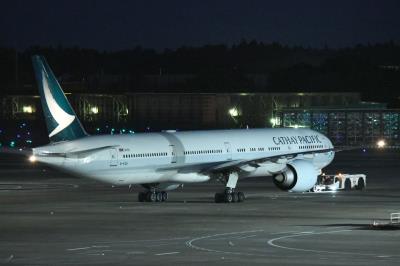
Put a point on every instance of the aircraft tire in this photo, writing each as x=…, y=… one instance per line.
x=360, y=184
x=228, y=197
x=235, y=197
x=151, y=197
x=241, y=196
x=159, y=197
x=164, y=196
x=347, y=185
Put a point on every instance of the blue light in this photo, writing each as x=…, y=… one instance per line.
x=18, y=136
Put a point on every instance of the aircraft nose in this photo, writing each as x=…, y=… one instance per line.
x=325, y=141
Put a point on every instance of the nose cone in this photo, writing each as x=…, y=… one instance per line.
x=325, y=141
x=329, y=143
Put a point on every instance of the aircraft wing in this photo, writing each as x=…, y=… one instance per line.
x=254, y=163
x=209, y=168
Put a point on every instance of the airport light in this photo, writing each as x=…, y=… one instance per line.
x=94, y=110
x=27, y=109
x=296, y=126
x=32, y=158
x=233, y=112
x=274, y=121
x=381, y=144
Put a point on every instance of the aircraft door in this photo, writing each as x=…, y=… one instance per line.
x=113, y=157
x=174, y=154
x=228, y=150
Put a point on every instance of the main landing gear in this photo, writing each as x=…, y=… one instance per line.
x=229, y=195
x=153, y=196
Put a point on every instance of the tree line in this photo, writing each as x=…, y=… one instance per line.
x=367, y=69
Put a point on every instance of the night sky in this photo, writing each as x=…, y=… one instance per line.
x=115, y=25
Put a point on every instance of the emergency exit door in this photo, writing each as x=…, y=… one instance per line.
x=113, y=157
x=228, y=150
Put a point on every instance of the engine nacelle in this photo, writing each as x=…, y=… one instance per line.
x=300, y=176
x=162, y=186
x=168, y=186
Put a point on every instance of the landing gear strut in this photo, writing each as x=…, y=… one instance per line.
x=229, y=195
x=153, y=196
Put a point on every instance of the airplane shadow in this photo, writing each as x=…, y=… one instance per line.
x=386, y=226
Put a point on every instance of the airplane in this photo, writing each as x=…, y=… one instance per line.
x=163, y=161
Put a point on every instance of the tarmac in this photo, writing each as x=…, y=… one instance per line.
x=51, y=218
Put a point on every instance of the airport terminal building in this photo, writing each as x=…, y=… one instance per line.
x=343, y=117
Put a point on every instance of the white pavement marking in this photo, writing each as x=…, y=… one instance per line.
x=191, y=245
x=73, y=249
x=126, y=242
x=158, y=245
x=271, y=243
x=286, y=232
x=167, y=253
x=243, y=237
x=93, y=246
x=135, y=252
x=9, y=259
x=237, y=237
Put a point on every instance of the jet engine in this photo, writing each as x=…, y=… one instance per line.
x=299, y=176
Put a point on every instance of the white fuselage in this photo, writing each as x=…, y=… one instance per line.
x=181, y=157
